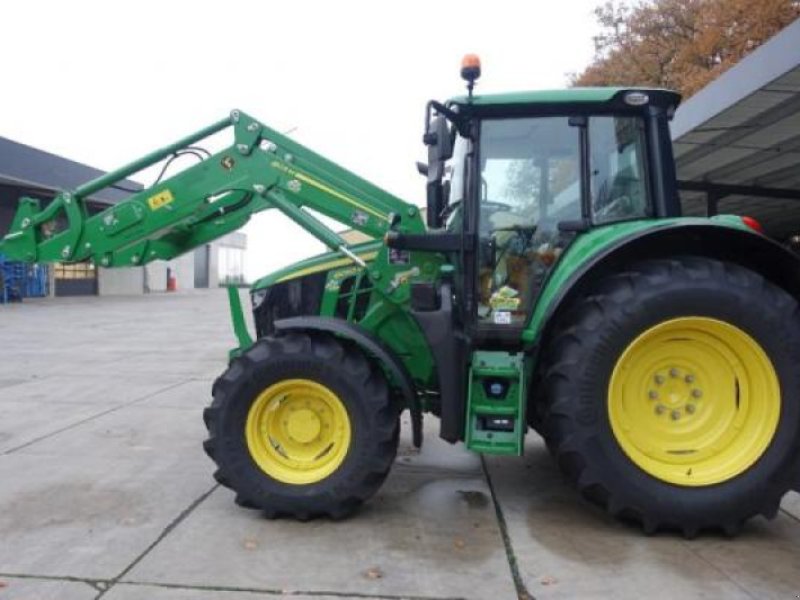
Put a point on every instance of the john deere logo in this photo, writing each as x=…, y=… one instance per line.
x=227, y=163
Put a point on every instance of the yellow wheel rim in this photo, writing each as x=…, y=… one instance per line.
x=298, y=431
x=694, y=401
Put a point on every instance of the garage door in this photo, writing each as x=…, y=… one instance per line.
x=76, y=279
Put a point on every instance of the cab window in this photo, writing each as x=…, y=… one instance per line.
x=617, y=173
x=529, y=182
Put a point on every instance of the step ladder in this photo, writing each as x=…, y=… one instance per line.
x=496, y=401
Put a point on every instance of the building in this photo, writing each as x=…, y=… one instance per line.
x=737, y=141
x=27, y=171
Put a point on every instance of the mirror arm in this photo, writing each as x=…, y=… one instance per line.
x=457, y=119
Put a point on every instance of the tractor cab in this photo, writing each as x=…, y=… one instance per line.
x=517, y=179
x=521, y=175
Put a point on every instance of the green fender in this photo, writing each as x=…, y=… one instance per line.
x=601, y=250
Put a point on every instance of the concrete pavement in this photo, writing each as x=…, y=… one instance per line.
x=106, y=492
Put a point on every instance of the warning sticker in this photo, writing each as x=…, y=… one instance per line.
x=160, y=199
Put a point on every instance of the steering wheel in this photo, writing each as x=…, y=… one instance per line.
x=492, y=206
x=521, y=238
x=517, y=227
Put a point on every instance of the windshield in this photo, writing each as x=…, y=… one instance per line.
x=530, y=172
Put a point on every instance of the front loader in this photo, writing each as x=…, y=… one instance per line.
x=552, y=286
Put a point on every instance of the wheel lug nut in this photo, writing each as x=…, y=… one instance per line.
x=689, y=379
x=659, y=379
x=690, y=408
x=676, y=415
x=673, y=372
x=697, y=393
x=660, y=408
x=652, y=394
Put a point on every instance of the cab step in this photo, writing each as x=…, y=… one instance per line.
x=496, y=401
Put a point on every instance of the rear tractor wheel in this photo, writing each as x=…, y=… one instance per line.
x=671, y=395
x=302, y=425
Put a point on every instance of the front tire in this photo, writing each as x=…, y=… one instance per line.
x=302, y=425
x=670, y=395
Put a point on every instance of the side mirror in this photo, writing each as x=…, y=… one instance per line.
x=440, y=148
x=438, y=140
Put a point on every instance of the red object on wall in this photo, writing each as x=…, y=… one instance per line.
x=172, y=281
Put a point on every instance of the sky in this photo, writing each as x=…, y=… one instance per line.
x=106, y=82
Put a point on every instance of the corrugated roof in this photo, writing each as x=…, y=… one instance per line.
x=743, y=129
x=30, y=167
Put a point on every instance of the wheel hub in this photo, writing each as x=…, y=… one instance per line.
x=303, y=426
x=694, y=401
x=298, y=431
x=676, y=390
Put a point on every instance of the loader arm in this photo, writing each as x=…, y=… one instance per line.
x=262, y=169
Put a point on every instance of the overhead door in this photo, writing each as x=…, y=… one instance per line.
x=75, y=279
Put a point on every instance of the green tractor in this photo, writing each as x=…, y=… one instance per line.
x=551, y=285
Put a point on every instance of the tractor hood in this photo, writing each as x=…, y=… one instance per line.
x=316, y=264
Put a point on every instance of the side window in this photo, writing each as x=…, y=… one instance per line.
x=530, y=181
x=617, y=175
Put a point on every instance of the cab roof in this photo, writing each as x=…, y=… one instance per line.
x=569, y=96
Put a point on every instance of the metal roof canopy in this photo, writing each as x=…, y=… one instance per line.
x=737, y=141
x=27, y=167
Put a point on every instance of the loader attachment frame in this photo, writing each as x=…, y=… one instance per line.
x=262, y=169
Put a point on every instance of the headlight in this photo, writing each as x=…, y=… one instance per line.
x=258, y=297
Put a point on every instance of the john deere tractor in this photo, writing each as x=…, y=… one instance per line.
x=551, y=285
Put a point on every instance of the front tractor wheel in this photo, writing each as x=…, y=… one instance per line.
x=302, y=425
x=671, y=395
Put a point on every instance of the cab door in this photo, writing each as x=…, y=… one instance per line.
x=530, y=181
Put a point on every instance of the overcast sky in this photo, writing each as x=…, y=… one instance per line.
x=105, y=82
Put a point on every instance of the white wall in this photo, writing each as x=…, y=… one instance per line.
x=183, y=269
x=237, y=240
x=133, y=280
x=120, y=281
x=213, y=266
x=156, y=276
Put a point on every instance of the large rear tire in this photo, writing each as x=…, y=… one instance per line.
x=670, y=394
x=302, y=425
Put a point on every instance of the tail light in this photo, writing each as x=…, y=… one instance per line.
x=753, y=224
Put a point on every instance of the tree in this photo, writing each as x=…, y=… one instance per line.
x=679, y=44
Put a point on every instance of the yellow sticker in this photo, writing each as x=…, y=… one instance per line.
x=160, y=199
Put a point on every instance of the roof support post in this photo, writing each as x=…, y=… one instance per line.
x=712, y=202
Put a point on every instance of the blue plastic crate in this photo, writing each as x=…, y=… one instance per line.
x=37, y=282
x=19, y=280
